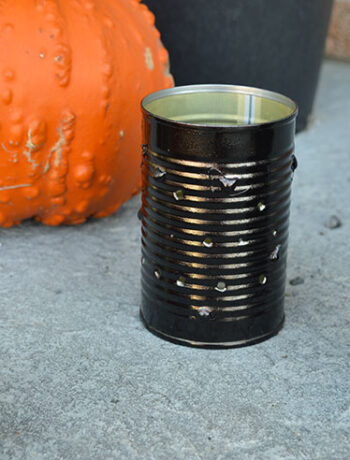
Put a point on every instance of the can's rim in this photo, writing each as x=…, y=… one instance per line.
x=220, y=88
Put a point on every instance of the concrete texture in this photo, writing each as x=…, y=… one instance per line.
x=338, y=41
x=82, y=379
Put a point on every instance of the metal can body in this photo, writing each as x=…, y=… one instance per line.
x=215, y=211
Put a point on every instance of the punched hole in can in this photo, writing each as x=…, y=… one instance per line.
x=178, y=195
x=275, y=253
x=221, y=286
x=261, y=206
x=205, y=312
x=208, y=242
x=181, y=281
x=158, y=173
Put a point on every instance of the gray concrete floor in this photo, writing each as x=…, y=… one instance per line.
x=80, y=377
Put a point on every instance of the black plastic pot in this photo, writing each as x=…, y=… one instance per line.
x=272, y=44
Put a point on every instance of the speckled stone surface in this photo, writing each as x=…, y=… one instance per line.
x=338, y=41
x=80, y=377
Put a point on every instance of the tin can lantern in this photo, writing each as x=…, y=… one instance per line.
x=217, y=170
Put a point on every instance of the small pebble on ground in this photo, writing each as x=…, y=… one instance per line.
x=296, y=281
x=333, y=222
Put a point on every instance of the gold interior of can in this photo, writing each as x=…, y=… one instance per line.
x=221, y=105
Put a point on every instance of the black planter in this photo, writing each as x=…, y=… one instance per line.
x=271, y=44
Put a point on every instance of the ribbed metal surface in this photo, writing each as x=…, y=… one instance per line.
x=214, y=244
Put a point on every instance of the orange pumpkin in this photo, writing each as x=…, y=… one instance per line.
x=72, y=74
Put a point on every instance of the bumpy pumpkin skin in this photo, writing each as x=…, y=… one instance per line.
x=72, y=74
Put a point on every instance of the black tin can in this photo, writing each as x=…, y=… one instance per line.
x=217, y=170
